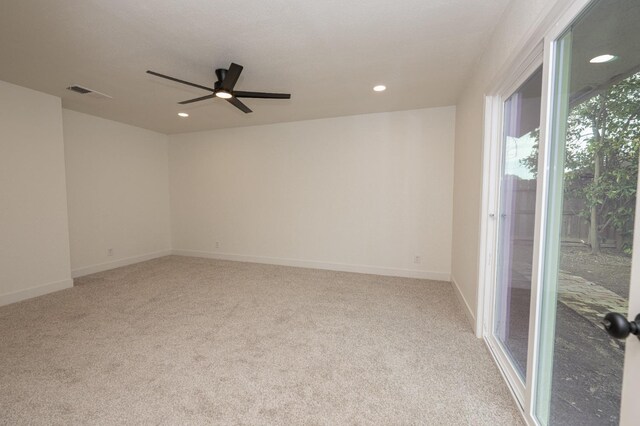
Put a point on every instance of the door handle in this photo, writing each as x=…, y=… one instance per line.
x=617, y=325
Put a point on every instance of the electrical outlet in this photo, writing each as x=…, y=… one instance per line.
x=110, y=252
x=416, y=259
x=217, y=244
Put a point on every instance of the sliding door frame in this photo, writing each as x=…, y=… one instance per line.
x=495, y=128
x=538, y=49
x=543, y=328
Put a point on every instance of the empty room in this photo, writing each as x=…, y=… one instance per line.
x=322, y=213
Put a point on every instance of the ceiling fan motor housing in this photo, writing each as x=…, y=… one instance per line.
x=221, y=73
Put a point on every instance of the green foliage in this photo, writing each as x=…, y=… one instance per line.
x=603, y=144
x=602, y=155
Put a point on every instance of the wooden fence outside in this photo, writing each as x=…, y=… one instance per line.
x=575, y=227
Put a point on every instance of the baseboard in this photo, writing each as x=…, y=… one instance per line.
x=87, y=270
x=40, y=290
x=342, y=267
x=463, y=304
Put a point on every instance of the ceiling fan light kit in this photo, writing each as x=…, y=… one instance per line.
x=223, y=88
x=224, y=95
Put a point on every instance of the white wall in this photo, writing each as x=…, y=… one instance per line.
x=34, y=242
x=118, y=189
x=364, y=193
x=512, y=31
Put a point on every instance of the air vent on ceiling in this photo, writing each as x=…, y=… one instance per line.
x=89, y=92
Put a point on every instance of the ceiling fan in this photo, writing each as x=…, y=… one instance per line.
x=223, y=88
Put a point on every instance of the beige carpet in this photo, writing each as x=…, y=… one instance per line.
x=182, y=340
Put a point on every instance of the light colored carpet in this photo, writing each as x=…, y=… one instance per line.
x=181, y=340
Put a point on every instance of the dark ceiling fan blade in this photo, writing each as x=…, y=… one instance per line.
x=261, y=95
x=157, y=74
x=236, y=102
x=232, y=76
x=201, y=98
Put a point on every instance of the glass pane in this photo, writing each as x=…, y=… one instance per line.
x=595, y=143
x=517, y=219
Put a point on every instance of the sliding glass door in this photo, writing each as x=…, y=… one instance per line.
x=516, y=220
x=595, y=143
x=511, y=221
x=562, y=264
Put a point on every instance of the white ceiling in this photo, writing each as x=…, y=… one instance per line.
x=327, y=53
x=609, y=27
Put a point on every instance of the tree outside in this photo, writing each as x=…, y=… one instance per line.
x=601, y=164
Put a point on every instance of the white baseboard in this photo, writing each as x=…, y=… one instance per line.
x=362, y=269
x=463, y=304
x=87, y=270
x=36, y=291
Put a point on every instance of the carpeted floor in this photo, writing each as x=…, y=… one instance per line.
x=181, y=340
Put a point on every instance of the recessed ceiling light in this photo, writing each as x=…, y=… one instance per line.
x=224, y=95
x=380, y=88
x=603, y=59
x=183, y=114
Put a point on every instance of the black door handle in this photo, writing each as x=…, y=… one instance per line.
x=617, y=326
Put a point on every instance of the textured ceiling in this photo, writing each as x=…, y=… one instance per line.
x=328, y=54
